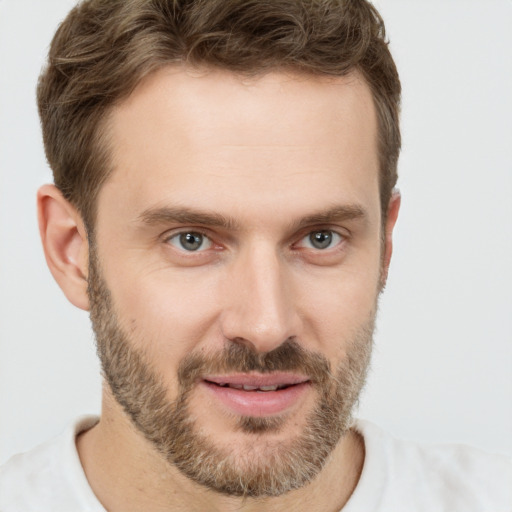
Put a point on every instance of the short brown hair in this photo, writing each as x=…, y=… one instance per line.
x=104, y=48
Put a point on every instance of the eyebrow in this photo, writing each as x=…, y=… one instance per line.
x=184, y=215
x=334, y=214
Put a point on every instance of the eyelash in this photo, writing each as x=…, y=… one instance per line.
x=334, y=235
x=335, y=239
x=196, y=233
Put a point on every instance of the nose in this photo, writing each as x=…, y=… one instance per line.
x=258, y=301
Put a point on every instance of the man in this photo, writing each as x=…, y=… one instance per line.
x=224, y=206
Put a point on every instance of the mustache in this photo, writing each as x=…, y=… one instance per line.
x=240, y=358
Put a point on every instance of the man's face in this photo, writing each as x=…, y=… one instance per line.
x=236, y=269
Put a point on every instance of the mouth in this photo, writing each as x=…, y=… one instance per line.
x=256, y=394
x=248, y=387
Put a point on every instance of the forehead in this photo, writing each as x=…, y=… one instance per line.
x=213, y=137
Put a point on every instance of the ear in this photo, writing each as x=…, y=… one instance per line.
x=392, y=216
x=65, y=244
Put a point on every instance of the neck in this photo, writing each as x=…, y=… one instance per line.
x=126, y=473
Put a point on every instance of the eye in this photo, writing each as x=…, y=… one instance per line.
x=190, y=241
x=322, y=239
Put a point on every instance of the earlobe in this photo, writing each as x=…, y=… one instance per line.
x=65, y=244
x=392, y=216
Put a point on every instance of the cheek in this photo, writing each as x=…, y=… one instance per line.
x=167, y=313
x=336, y=305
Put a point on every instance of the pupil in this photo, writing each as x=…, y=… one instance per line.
x=191, y=241
x=321, y=239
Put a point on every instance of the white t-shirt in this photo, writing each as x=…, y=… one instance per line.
x=397, y=476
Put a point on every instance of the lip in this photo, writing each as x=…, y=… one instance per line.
x=257, y=403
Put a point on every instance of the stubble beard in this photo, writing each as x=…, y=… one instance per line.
x=263, y=468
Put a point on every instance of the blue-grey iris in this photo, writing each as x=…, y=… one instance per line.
x=191, y=241
x=321, y=239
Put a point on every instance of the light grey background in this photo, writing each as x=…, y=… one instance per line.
x=443, y=359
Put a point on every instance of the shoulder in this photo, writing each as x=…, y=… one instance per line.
x=409, y=476
x=48, y=477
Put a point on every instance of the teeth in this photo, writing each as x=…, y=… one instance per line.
x=247, y=387
x=259, y=388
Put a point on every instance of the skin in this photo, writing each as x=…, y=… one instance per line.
x=269, y=154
